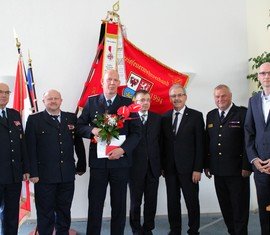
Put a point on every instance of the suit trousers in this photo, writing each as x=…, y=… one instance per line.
x=53, y=203
x=262, y=182
x=9, y=210
x=146, y=186
x=99, y=180
x=174, y=184
x=233, y=193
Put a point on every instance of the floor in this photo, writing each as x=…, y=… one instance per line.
x=211, y=224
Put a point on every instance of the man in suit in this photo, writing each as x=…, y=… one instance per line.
x=51, y=139
x=226, y=159
x=182, y=159
x=14, y=166
x=113, y=170
x=145, y=170
x=257, y=134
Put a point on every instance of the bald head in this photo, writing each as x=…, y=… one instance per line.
x=52, y=100
x=4, y=95
x=110, y=83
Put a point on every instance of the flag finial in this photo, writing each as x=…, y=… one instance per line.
x=29, y=58
x=18, y=44
x=116, y=6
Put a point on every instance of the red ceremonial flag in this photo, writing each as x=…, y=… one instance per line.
x=21, y=103
x=142, y=72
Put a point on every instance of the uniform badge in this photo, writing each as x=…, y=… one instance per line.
x=17, y=123
x=210, y=125
x=71, y=127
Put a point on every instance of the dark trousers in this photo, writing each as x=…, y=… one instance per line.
x=9, y=209
x=262, y=182
x=174, y=184
x=233, y=193
x=99, y=179
x=53, y=203
x=146, y=186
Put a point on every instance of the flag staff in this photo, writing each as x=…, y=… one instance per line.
x=18, y=45
x=35, y=105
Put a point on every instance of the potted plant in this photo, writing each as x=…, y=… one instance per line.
x=256, y=63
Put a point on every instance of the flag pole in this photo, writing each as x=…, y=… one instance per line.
x=18, y=45
x=35, y=105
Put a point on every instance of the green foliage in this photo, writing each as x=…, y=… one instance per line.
x=256, y=63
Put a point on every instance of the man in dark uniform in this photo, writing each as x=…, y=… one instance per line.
x=51, y=138
x=114, y=169
x=182, y=133
x=14, y=164
x=145, y=170
x=227, y=160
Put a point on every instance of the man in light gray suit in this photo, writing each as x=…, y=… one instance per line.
x=257, y=135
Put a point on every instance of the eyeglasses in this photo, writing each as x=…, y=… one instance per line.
x=177, y=95
x=4, y=92
x=264, y=73
x=143, y=100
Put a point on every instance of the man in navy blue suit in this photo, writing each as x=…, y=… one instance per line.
x=113, y=170
x=51, y=138
x=14, y=166
x=182, y=133
x=145, y=170
x=257, y=134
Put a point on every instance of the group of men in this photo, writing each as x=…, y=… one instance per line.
x=176, y=145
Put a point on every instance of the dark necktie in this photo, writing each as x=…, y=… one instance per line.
x=222, y=115
x=4, y=117
x=143, y=118
x=55, y=118
x=174, y=126
x=109, y=103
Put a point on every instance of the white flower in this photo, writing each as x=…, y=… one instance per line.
x=112, y=121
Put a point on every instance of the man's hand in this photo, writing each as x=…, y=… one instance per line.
x=95, y=131
x=246, y=173
x=34, y=180
x=26, y=176
x=261, y=165
x=266, y=166
x=116, y=153
x=207, y=173
x=196, y=177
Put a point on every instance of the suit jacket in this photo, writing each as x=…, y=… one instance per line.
x=257, y=132
x=148, y=149
x=13, y=156
x=226, y=155
x=185, y=151
x=51, y=147
x=132, y=129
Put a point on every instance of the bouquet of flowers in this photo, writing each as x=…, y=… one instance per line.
x=110, y=124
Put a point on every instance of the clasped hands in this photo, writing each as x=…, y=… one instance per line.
x=262, y=166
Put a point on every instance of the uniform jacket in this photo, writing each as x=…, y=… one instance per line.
x=132, y=129
x=257, y=132
x=186, y=149
x=148, y=149
x=13, y=156
x=51, y=148
x=226, y=155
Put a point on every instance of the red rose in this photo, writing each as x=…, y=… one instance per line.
x=120, y=124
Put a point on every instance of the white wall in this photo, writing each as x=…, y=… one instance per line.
x=207, y=38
